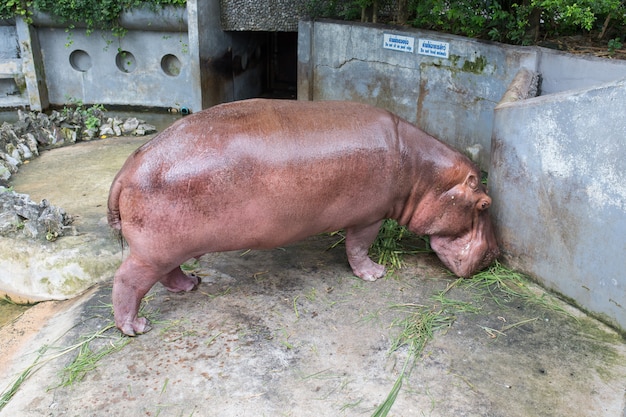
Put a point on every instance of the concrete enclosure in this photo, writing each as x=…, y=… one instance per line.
x=557, y=170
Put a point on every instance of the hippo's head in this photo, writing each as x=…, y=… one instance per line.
x=469, y=252
x=461, y=233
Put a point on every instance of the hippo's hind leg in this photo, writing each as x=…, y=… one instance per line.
x=177, y=281
x=132, y=281
x=358, y=242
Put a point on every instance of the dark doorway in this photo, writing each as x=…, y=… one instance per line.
x=282, y=63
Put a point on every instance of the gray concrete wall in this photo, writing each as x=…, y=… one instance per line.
x=562, y=71
x=99, y=68
x=558, y=181
x=12, y=84
x=175, y=57
x=451, y=98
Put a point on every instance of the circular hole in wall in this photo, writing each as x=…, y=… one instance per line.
x=80, y=60
x=125, y=61
x=170, y=64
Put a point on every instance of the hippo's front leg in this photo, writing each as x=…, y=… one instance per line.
x=358, y=242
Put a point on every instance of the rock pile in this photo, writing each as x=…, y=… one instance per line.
x=19, y=215
x=23, y=140
x=32, y=132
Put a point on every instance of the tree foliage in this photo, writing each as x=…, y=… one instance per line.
x=518, y=22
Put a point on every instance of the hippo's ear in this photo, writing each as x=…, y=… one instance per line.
x=471, y=181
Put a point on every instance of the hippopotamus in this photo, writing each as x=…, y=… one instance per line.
x=262, y=173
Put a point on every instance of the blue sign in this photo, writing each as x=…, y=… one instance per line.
x=433, y=48
x=399, y=43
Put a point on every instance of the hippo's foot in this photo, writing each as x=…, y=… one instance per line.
x=368, y=270
x=177, y=281
x=138, y=325
x=358, y=241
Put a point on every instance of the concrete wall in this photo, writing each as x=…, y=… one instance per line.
x=175, y=57
x=22, y=81
x=558, y=181
x=143, y=68
x=452, y=97
x=10, y=60
x=562, y=71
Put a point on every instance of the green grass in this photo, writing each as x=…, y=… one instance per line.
x=502, y=284
x=419, y=324
x=88, y=356
x=15, y=386
x=394, y=242
x=417, y=328
x=85, y=360
x=89, y=350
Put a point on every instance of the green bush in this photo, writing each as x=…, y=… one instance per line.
x=95, y=14
x=517, y=22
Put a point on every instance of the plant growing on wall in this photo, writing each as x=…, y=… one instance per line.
x=12, y=8
x=94, y=14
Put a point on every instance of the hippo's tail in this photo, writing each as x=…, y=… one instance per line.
x=113, y=209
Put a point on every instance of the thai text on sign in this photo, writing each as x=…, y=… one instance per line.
x=399, y=43
x=433, y=48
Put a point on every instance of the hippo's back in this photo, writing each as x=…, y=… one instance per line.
x=276, y=130
x=262, y=165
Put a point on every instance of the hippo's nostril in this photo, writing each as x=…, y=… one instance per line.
x=483, y=204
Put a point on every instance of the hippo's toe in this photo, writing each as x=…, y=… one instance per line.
x=134, y=327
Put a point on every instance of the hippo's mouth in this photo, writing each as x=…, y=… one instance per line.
x=464, y=255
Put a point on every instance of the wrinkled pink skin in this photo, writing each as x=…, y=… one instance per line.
x=258, y=174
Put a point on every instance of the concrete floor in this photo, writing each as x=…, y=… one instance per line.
x=290, y=332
